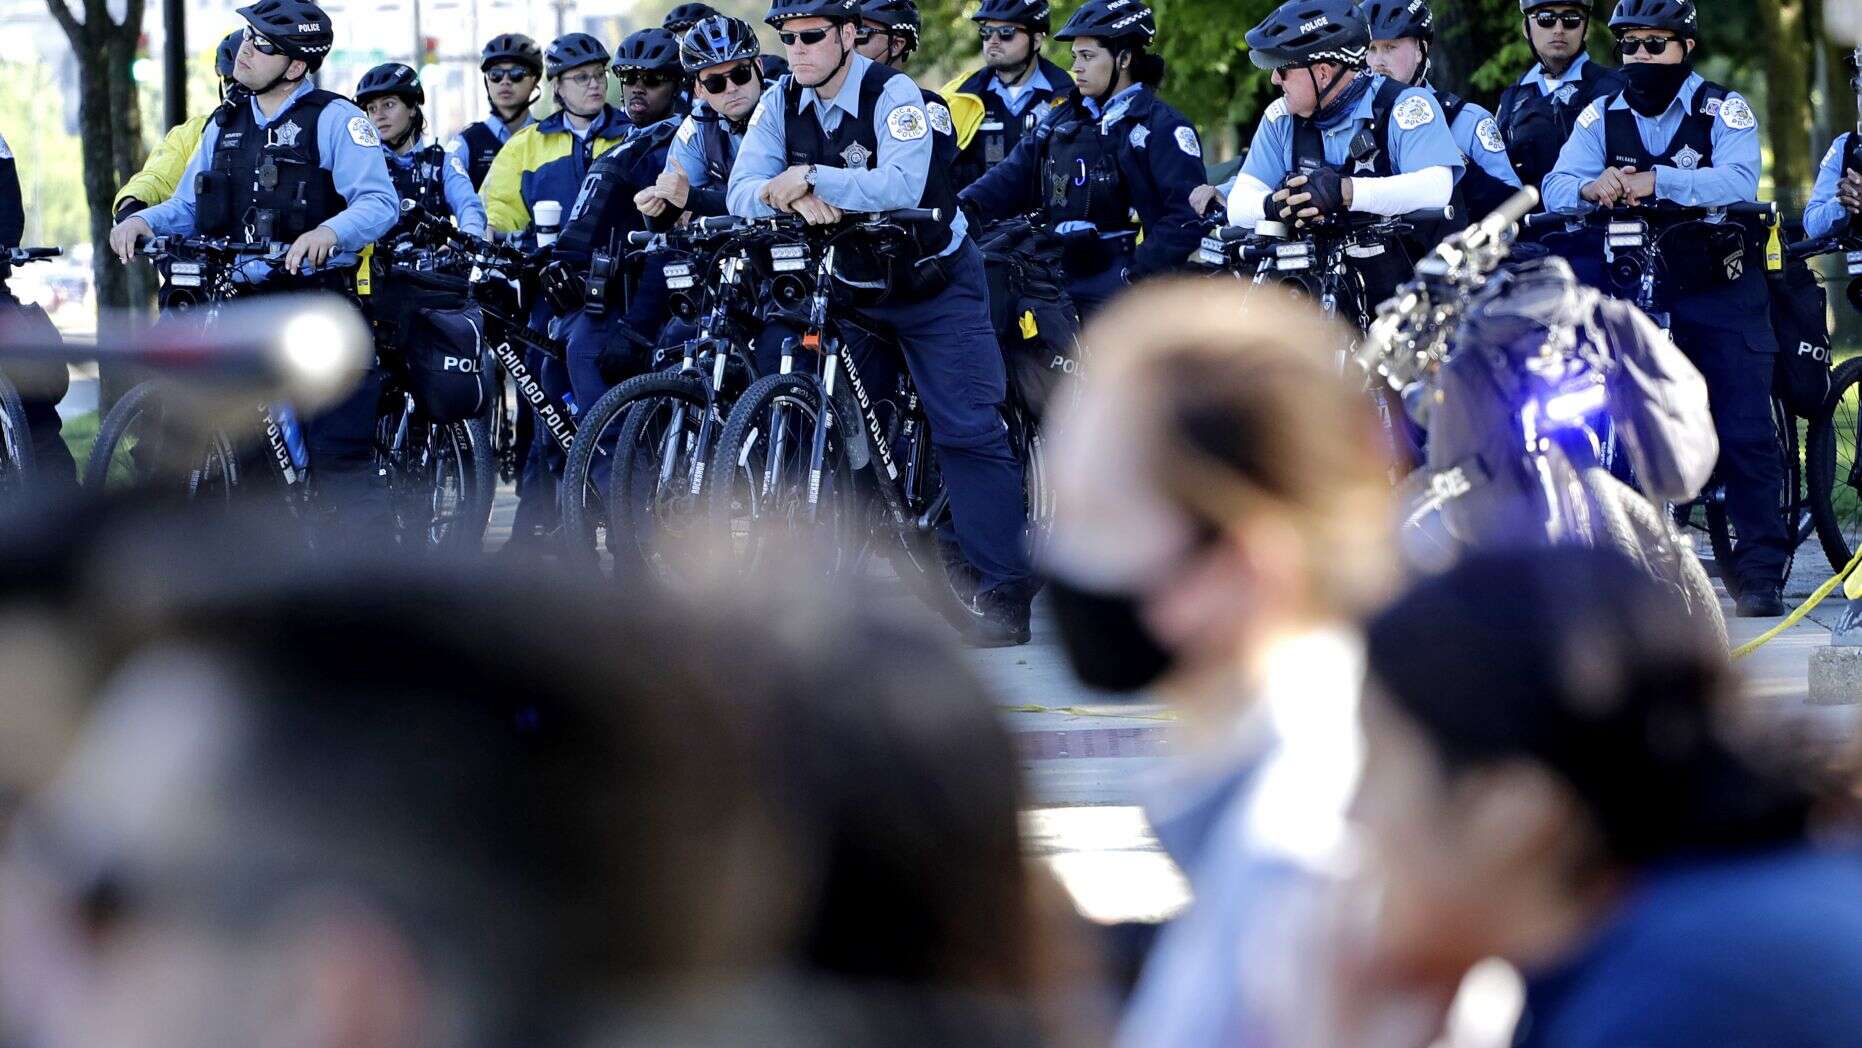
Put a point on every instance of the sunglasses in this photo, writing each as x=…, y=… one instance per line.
x=1000, y=32
x=810, y=37
x=865, y=33
x=716, y=82
x=1654, y=45
x=1548, y=19
x=583, y=79
x=514, y=74
x=262, y=45
x=630, y=78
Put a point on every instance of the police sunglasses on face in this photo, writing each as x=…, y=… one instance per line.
x=1654, y=45
x=867, y=32
x=1000, y=32
x=632, y=77
x=500, y=74
x=715, y=83
x=262, y=45
x=1548, y=19
x=811, y=37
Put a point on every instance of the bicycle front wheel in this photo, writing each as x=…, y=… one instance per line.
x=1833, y=472
x=16, y=465
x=770, y=505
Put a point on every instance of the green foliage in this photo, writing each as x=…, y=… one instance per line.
x=32, y=118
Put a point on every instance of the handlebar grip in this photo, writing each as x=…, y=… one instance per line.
x=914, y=214
x=1545, y=219
x=1803, y=249
x=39, y=252
x=1230, y=234
x=1514, y=209
x=1765, y=209
x=1429, y=214
x=718, y=223
x=640, y=238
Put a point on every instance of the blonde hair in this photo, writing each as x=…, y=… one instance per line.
x=1243, y=413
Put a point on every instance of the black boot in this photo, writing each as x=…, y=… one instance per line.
x=1002, y=616
x=1760, y=600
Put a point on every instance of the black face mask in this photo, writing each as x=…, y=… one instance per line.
x=1652, y=88
x=1106, y=640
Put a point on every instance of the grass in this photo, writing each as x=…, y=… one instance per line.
x=80, y=433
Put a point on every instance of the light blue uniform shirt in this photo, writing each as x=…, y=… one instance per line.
x=1419, y=136
x=1733, y=176
x=350, y=151
x=1537, y=78
x=1824, y=215
x=688, y=147
x=1477, y=135
x=898, y=178
x=461, y=199
x=1017, y=99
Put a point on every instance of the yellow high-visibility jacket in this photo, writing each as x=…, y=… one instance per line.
x=157, y=180
x=545, y=161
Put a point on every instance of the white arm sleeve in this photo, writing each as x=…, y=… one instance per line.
x=1244, y=200
x=1401, y=194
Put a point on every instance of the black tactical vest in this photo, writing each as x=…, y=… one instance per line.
x=1080, y=176
x=482, y=145
x=714, y=145
x=1535, y=126
x=1852, y=157
x=423, y=181
x=267, y=183
x=854, y=143
x=1309, y=142
x=1001, y=129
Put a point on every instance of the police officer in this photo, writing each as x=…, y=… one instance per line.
x=651, y=78
x=1671, y=136
x=999, y=103
x=1111, y=159
x=156, y=181
x=52, y=460
x=1537, y=112
x=721, y=55
x=1340, y=139
x=1401, y=32
x=842, y=132
x=512, y=65
x=1837, y=197
x=682, y=18
x=391, y=94
x=297, y=165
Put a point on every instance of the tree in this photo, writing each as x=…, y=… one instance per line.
x=110, y=124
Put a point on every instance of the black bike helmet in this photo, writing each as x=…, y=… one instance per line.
x=391, y=78
x=781, y=11
x=1106, y=20
x=299, y=28
x=227, y=54
x=515, y=48
x=1030, y=14
x=774, y=66
x=716, y=40
x=653, y=50
x=1526, y=7
x=899, y=16
x=572, y=50
x=681, y=19
x=1677, y=16
x=1396, y=19
x=1302, y=32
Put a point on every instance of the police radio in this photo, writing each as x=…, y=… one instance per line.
x=602, y=266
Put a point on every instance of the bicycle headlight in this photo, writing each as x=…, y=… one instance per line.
x=184, y=274
x=678, y=275
x=1290, y=257
x=1626, y=234
x=1574, y=405
x=788, y=258
x=1853, y=260
x=1211, y=252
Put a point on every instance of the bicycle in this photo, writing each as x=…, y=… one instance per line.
x=16, y=457
x=1517, y=432
x=1633, y=252
x=1833, y=465
x=816, y=465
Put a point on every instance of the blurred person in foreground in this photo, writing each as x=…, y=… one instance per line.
x=1220, y=521
x=476, y=836
x=1550, y=780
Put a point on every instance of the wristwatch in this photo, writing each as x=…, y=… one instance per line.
x=809, y=177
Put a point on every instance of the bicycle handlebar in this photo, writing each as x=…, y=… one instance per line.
x=219, y=247
x=1659, y=214
x=714, y=224
x=19, y=255
x=1822, y=245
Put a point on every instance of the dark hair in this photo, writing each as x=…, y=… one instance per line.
x=1146, y=68
x=1577, y=659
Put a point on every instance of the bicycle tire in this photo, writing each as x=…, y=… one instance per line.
x=742, y=482
x=584, y=517
x=634, y=491
x=463, y=445
x=16, y=459
x=1652, y=541
x=219, y=469
x=1830, y=462
x=1800, y=525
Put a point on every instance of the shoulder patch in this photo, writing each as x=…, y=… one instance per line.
x=1737, y=114
x=1591, y=114
x=6, y=151
x=362, y=133
x=1277, y=111
x=1412, y=112
x=1489, y=134
x=940, y=119
x=687, y=129
x=1186, y=140
x=1828, y=158
x=907, y=123
x=1140, y=134
x=756, y=114
x=458, y=166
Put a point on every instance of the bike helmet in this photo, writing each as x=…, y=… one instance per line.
x=685, y=16
x=1853, y=60
x=1396, y=19
x=717, y=40
x=1031, y=14
x=1302, y=32
x=653, y=50
x=1677, y=16
x=899, y=16
x=227, y=54
x=1110, y=20
x=391, y=78
x=1526, y=7
x=774, y=66
x=572, y=50
x=512, y=47
x=299, y=28
x=781, y=11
